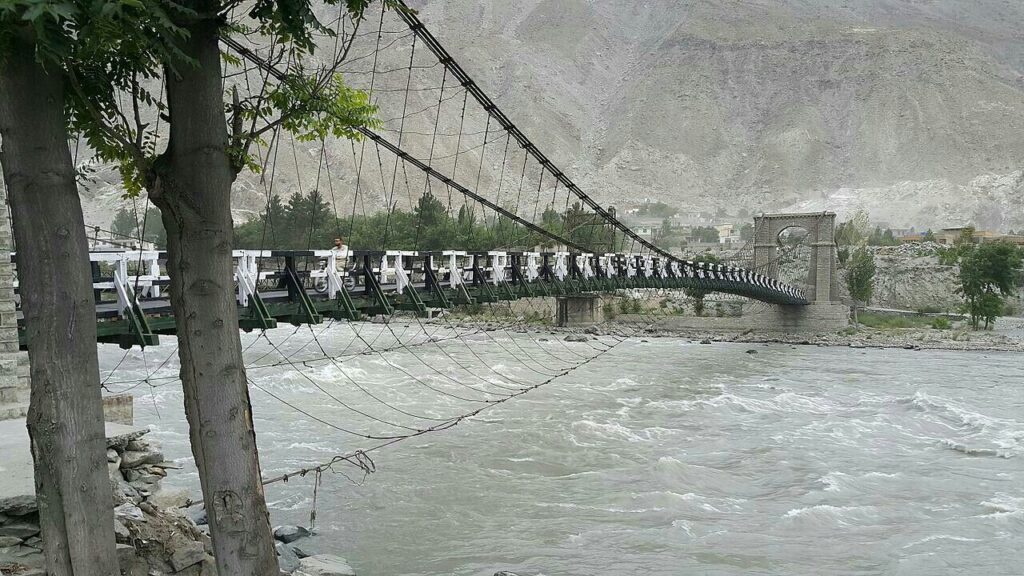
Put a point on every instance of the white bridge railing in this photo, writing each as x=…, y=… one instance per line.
x=138, y=273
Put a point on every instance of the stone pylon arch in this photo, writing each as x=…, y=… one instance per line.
x=821, y=227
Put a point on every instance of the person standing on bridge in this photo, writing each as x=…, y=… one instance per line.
x=340, y=254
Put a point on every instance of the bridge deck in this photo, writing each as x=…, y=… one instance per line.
x=133, y=307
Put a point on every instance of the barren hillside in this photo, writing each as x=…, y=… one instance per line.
x=765, y=104
x=912, y=109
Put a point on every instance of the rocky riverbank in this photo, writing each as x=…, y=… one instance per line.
x=154, y=536
x=1009, y=338
x=159, y=532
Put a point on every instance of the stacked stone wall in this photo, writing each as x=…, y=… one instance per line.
x=14, y=370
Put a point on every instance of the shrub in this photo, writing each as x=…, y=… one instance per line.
x=1010, y=309
x=941, y=323
x=624, y=305
x=636, y=307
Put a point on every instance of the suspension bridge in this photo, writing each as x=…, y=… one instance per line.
x=440, y=136
x=306, y=286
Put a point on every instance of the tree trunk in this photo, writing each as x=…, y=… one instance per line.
x=191, y=185
x=65, y=418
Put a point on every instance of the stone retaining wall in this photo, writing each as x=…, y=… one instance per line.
x=14, y=374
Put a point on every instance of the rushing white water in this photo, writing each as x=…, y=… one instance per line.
x=660, y=457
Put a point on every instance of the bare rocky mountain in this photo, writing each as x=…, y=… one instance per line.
x=912, y=109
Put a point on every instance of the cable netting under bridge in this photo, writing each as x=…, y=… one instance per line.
x=444, y=204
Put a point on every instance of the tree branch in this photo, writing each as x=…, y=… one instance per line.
x=121, y=140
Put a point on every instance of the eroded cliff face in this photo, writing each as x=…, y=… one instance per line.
x=908, y=277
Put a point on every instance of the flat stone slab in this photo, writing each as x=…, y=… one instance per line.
x=17, y=486
x=324, y=565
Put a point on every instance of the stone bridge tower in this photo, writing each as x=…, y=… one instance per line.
x=820, y=227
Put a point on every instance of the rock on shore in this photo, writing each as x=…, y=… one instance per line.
x=324, y=565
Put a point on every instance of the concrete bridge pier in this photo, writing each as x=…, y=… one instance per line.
x=578, y=310
x=825, y=311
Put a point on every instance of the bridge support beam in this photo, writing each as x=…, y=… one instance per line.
x=578, y=310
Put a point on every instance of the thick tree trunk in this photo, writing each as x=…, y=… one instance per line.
x=192, y=186
x=65, y=419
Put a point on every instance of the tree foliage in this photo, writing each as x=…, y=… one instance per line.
x=308, y=222
x=989, y=273
x=704, y=234
x=881, y=237
x=148, y=227
x=656, y=210
x=963, y=245
x=853, y=232
x=860, y=277
x=112, y=52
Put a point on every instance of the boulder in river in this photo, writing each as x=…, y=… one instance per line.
x=287, y=560
x=288, y=534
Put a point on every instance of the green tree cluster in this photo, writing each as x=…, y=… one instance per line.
x=881, y=237
x=308, y=222
x=963, y=245
x=989, y=273
x=704, y=234
x=853, y=232
x=148, y=226
x=657, y=210
x=860, y=277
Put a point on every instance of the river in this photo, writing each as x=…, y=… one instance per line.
x=656, y=457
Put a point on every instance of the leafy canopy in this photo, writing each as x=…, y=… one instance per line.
x=113, y=54
x=860, y=275
x=989, y=273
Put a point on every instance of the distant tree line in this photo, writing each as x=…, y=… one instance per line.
x=147, y=226
x=305, y=222
x=656, y=210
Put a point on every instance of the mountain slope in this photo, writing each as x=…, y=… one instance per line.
x=911, y=109
x=757, y=104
